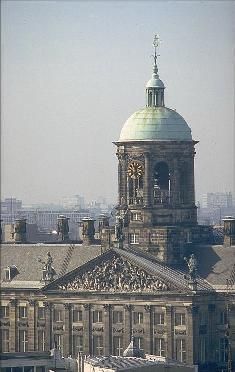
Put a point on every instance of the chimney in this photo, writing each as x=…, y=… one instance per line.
x=229, y=231
x=20, y=230
x=88, y=230
x=63, y=227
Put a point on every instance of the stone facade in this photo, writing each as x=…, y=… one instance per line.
x=186, y=328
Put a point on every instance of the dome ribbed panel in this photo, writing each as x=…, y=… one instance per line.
x=155, y=123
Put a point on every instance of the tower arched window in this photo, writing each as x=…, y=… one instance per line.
x=135, y=183
x=161, y=184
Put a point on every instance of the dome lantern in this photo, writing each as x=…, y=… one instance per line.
x=155, y=87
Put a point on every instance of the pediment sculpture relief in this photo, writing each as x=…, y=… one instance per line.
x=115, y=275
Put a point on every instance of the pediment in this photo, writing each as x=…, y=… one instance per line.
x=110, y=272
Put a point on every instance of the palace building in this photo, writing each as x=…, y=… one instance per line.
x=154, y=278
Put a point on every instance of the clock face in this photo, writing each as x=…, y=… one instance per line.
x=135, y=170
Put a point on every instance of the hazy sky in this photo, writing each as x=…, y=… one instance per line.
x=74, y=71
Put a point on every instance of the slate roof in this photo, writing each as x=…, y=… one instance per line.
x=215, y=263
x=119, y=363
x=25, y=258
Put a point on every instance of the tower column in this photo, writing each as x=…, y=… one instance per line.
x=147, y=180
x=122, y=179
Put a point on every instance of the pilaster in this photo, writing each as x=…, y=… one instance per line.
x=170, y=332
x=67, y=330
x=13, y=314
x=32, y=326
x=127, y=324
x=107, y=329
x=49, y=342
x=87, y=329
x=148, y=325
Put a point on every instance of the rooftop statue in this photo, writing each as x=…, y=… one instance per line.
x=192, y=267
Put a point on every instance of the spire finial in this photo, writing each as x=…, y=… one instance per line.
x=156, y=44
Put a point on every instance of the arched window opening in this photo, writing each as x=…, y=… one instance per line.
x=184, y=187
x=161, y=184
x=135, y=183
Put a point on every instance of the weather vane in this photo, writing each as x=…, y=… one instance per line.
x=156, y=44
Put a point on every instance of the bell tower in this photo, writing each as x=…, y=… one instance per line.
x=156, y=176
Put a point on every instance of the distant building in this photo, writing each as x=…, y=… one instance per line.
x=11, y=206
x=217, y=200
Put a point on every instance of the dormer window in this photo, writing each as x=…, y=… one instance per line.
x=10, y=272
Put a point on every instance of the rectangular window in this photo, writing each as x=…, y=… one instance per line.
x=4, y=311
x=97, y=316
x=134, y=238
x=4, y=346
x=118, y=345
x=23, y=341
x=138, y=318
x=181, y=350
x=223, y=350
x=23, y=312
x=223, y=317
x=203, y=318
x=98, y=345
x=179, y=319
x=41, y=313
x=202, y=350
x=41, y=340
x=136, y=216
x=77, y=344
x=159, y=318
x=160, y=347
x=58, y=315
x=58, y=339
x=117, y=317
x=139, y=342
x=77, y=315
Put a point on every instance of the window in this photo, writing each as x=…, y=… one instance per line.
x=77, y=344
x=181, y=350
x=117, y=317
x=77, y=315
x=159, y=347
x=41, y=313
x=159, y=318
x=4, y=346
x=117, y=345
x=58, y=339
x=98, y=345
x=22, y=312
x=23, y=341
x=4, y=311
x=58, y=315
x=97, y=316
x=134, y=238
x=223, y=350
x=41, y=340
x=202, y=350
x=139, y=342
x=223, y=317
x=203, y=318
x=138, y=318
x=136, y=216
x=179, y=319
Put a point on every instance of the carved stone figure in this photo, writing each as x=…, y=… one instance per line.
x=48, y=270
x=119, y=229
x=192, y=266
x=116, y=275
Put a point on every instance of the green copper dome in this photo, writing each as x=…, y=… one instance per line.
x=155, y=124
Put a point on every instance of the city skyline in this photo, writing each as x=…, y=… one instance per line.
x=70, y=81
